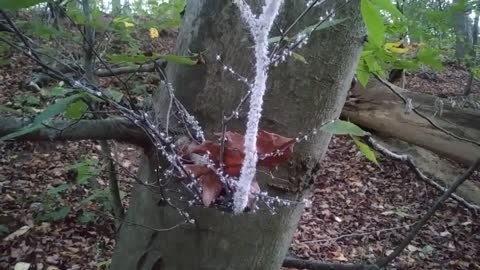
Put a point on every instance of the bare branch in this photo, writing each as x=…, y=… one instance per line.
x=129, y=69
x=360, y=234
x=118, y=129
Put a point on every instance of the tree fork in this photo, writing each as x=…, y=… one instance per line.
x=299, y=98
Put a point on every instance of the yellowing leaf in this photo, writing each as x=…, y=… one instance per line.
x=126, y=21
x=366, y=150
x=395, y=44
x=396, y=47
x=153, y=33
x=300, y=58
x=128, y=24
x=400, y=50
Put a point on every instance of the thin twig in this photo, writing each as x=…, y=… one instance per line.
x=356, y=235
x=283, y=34
x=419, y=173
x=152, y=228
x=300, y=41
x=385, y=261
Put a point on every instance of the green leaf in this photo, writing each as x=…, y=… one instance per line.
x=170, y=24
x=4, y=62
x=55, y=109
x=362, y=72
x=76, y=14
x=399, y=212
x=299, y=57
x=308, y=30
x=76, y=110
x=427, y=249
x=106, y=264
x=388, y=6
x=83, y=174
x=18, y=4
x=47, y=114
x=23, y=131
x=32, y=100
x=115, y=95
x=366, y=150
x=41, y=30
x=58, y=189
x=185, y=60
x=125, y=58
x=8, y=110
x=141, y=59
x=87, y=217
x=125, y=21
x=100, y=194
x=275, y=39
x=88, y=199
x=56, y=215
x=372, y=64
x=374, y=21
x=363, y=77
x=58, y=91
x=4, y=229
x=321, y=25
x=61, y=213
x=85, y=170
x=429, y=57
x=340, y=127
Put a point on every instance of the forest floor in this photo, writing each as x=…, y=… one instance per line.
x=359, y=211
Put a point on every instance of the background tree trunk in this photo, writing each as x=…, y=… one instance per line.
x=299, y=98
x=472, y=62
x=463, y=25
x=116, y=7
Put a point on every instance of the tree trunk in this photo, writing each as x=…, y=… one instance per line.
x=377, y=108
x=299, y=98
x=463, y=33
x=472, y=62
x=116, y=7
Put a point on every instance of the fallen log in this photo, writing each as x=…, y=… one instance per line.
x=377, y=108
x=296, y=263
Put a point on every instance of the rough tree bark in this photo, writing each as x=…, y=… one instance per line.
x=377, y=108
x=299, y=98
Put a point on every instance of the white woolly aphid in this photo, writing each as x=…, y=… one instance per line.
x=260, y=28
